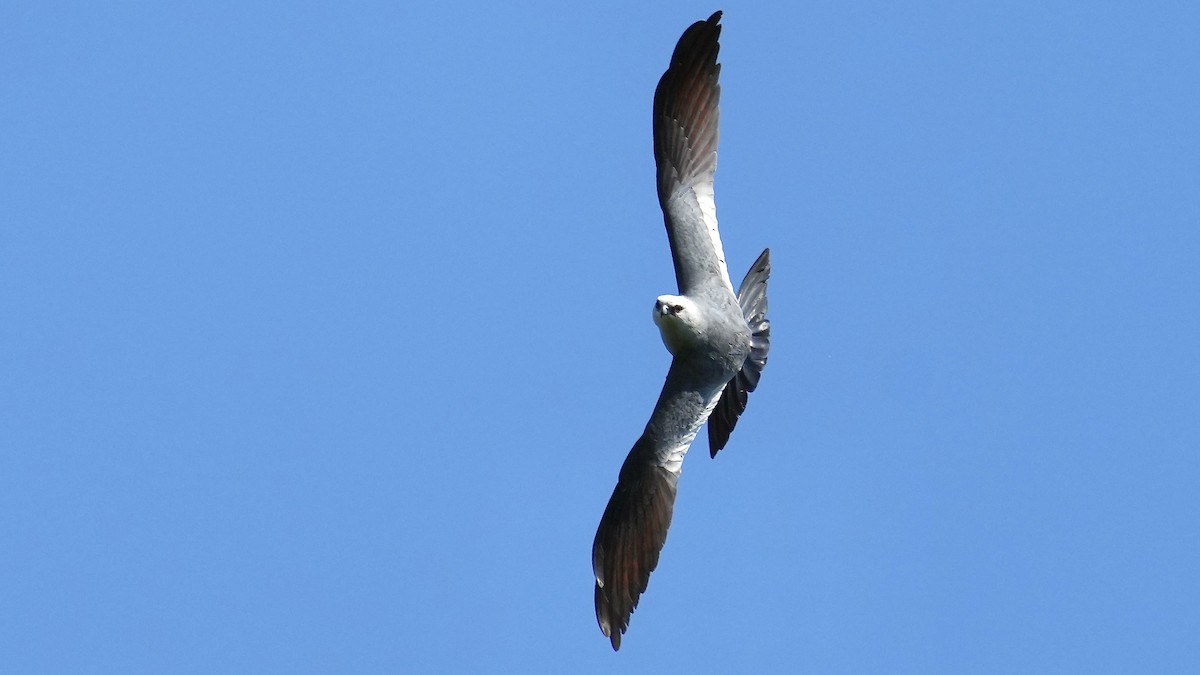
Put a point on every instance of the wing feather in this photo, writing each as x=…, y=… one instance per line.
x=686, y=117
x=634, y=526
x=631, y=535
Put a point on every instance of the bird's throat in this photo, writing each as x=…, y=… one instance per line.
x=677, y=335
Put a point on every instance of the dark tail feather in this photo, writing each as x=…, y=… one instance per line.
x=752, y=296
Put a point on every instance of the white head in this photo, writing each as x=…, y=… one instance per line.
x=678, y=320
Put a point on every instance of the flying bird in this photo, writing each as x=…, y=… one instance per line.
x=718, y=339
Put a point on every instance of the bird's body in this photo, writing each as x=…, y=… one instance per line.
x=718, y=339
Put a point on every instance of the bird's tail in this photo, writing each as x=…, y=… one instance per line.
x=752, y=297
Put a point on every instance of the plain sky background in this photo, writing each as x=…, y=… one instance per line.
x=325, y=328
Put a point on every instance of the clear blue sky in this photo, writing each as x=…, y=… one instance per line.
x=324, y=330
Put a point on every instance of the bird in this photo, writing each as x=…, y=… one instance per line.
x=718, y=338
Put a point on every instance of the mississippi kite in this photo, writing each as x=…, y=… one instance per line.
x=718, y=339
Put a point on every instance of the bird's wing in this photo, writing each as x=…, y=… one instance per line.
x=686, y=113
x=634, y=526
x=752, y=297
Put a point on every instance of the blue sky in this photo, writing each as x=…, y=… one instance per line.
x=327, y=327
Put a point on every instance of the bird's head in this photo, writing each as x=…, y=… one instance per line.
x=678, y=319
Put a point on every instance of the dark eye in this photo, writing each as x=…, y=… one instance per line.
x=677, y=308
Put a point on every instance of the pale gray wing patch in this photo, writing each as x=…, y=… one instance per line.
x=686, y=117
x=752, y=297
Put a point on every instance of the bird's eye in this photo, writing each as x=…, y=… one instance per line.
x=677, y=308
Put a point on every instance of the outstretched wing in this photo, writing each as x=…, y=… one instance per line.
x=752, y=296
x=686, y=113
x=630, y=537
x=634, y=526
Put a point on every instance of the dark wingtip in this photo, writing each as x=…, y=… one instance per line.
x=631, y=535
x=702, y=37
x=613, y=633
